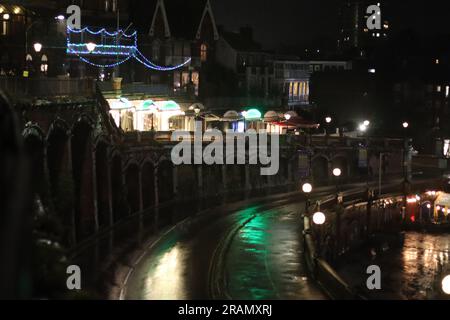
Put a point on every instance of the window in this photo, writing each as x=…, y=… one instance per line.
x=203, y=52
x=196, y=81
x=44, y=64
x=5, y=28
x=155, y=51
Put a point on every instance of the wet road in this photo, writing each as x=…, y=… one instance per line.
x=253, y=253
x=407, y=273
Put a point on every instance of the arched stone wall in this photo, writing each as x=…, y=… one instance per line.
x=148, y=184
x=82, y=164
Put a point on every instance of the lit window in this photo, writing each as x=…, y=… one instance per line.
x=437, y=61
x=203, y=52
x=447, y=91
x=438, y=89
x=5, y=28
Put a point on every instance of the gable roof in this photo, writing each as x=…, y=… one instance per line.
x=141, y=22
x=240, y=42
x=184, y=17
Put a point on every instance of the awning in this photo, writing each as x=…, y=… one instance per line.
x=232, y=116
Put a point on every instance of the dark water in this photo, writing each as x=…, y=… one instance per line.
x=412, y=272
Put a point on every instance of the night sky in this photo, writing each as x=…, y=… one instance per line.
x=305, y=22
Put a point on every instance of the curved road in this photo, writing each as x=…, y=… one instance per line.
x=253, y=253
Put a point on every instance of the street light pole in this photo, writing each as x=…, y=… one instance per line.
x=307, y=189
x=380, y=174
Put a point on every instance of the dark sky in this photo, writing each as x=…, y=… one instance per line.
x=299, y=22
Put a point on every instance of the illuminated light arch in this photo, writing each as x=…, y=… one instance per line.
x=102, y=49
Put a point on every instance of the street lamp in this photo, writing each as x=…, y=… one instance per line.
x=287, y=116
x=307, y=189
x=319, y=218
x=60, y=17
x=37, y=47
x=446, y=285
x=366, y=123
x=362, y=127
x=337, y=172
x=327, y=121
x=405, y=125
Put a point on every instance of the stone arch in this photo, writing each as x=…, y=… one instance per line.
x=14, y=206
x=212, y=179
x=132, y=186
x=236, y=177
x=187, y=180
x=119, y=202
x=102, y=175
x=320, y=170
x=34, y=147
x=148, y=183
x=58, y=166
x=165, y=180
x=83, y=175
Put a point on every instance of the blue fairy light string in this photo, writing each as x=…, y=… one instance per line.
x=129, y=51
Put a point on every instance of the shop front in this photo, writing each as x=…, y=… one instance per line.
x=152, y=115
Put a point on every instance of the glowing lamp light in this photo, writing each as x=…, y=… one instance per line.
x=6, y=16
x=405, y=125
x=91, y=46
x=417, y=198
x=307, y=188
x=328, y=119
x=362, y=127
x=438, y=208
x=411, y=200
x=287, y=116
x=37, y=47
x=366, y=123
x=337, y=172
x=446, y=285
x=60, y=17
x=319, y=218
x=429, y=206
x=252, y=114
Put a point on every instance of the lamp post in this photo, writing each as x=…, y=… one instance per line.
x=287, y=116
x=307, y=189
x=328, y=121
x=406, y=146
x=319, y=220
x=337, y=173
